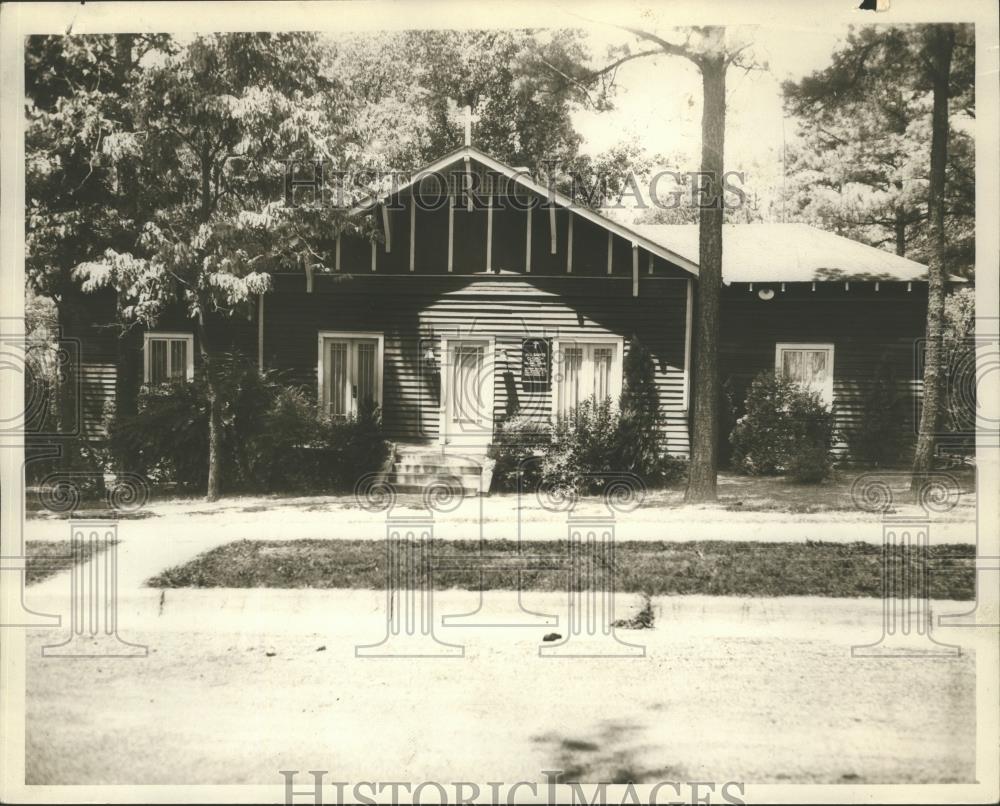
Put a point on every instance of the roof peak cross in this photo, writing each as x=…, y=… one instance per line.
x=467, y=112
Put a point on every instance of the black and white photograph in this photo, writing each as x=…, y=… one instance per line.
x=484, y=403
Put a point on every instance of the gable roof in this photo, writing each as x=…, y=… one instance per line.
x=522, y=178
x=794, y=253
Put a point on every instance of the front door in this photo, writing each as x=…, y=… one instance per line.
x=468, y=393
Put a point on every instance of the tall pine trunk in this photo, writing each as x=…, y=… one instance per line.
x=940, y=42
x=702, y=477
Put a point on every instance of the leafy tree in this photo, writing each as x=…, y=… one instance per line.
x=899, y=88
x=408, y=91
x=78, y=202
x=216, y=121
x=861, y=167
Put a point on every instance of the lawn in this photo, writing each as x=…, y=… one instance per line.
x=47, y=558
x=656, y=568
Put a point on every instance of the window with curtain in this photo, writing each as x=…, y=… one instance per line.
x=587, y=370
x=351, y=375
x=169, y=357
x=808, y=364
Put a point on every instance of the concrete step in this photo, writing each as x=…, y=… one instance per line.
x=431, y=456
x=417, y=466
x=419, y=489
x=436, y=468
x=421, y=480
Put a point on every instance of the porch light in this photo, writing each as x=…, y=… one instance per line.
x=430, y=362
x=766, y=293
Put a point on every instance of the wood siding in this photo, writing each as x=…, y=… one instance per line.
x=414, y=314
x=865, y=326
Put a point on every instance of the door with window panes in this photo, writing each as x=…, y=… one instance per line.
x=468, y=392
x=351, y=375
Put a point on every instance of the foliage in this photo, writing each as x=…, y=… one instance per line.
x=408, y=90
x=959, y=348
x=273, y=437
x=862, y=166
x=881, y=438
x=597, y=440
x=594, y=444
x=213, y=123
x=519, y=443
x=584, y=448
x=168, y=438
x=639, y=425
x=79, y=201
x=51, y=402
x=786, y=429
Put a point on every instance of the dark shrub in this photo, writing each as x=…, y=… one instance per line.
x=274, y=439
x=585, y=446
x=786, y=429
x=168, y=436
x=638, y=429
x=353, y=448
x=518, y=444
x=599, y=440
x=881, y=438
x=667, y=470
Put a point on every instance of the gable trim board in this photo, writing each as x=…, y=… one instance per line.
x=522, y=178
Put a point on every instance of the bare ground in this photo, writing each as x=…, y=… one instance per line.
x=240, y=684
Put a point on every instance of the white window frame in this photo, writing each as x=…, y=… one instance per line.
x=781, y=346
x=335, y=335
x=162, y=335
x=617, y=365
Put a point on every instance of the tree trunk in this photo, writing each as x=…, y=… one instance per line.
x=214, y=486
x=940, y=43
x=128, y=379
x=900, y=227
x=705, y=343
x=67, y=409
x=210, y=370
x=214, y=444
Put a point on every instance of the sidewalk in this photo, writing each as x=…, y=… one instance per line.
x=177, y=531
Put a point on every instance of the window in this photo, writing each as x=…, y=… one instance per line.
x=349, y=373
x=808, y=364
x=167, y=357
x=586, y=369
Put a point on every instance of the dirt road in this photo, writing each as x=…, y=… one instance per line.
x=241, y=684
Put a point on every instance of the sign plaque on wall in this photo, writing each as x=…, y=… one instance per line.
x=535, y=361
